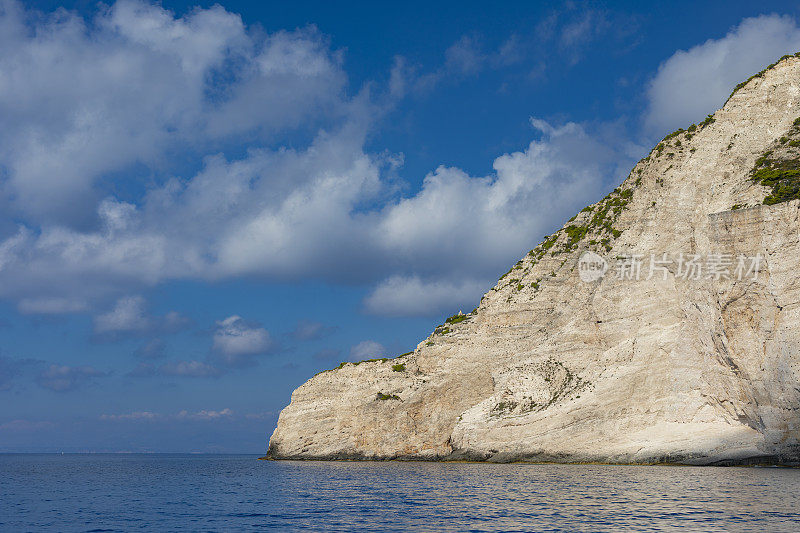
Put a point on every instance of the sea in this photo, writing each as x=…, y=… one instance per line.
x=163, y=492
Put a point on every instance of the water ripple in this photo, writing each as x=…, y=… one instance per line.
x=220, y=493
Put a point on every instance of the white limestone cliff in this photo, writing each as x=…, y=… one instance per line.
x=553, y=368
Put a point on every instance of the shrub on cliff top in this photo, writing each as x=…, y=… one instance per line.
x=455, y=319
x=760, y=74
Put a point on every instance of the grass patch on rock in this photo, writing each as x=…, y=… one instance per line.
x=381, y=396
x=780, y=172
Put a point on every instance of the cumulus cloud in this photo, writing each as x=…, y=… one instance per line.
x=61, y=378
x=367, y=350
x=80, y=100
x=151, y=82
x=236, y=341
x=129, y=316
x=411, y=296
x=290, y=215
x=461, y=223
x=693, y=83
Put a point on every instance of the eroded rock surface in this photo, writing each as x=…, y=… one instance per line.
x=665, y=369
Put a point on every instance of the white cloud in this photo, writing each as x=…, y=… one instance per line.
x=289, y=215
x=136, y=415
x=197, y=41
x=583, y=28
x=127, y=315
x=134, y=86
x=367, y=350
x=130, y=316
x=207, y=414
x=82, y=100
x=693, y=83
x=464, y=56
x=410, y=296
x=236, y=341
x=462, y=227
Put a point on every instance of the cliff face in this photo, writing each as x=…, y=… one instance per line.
x=694, y=364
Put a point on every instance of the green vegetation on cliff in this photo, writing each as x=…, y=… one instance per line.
x=780, y=171
x=382, y=396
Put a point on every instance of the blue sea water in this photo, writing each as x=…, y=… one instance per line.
x=233, y=492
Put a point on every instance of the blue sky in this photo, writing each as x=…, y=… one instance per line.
x=201, y=206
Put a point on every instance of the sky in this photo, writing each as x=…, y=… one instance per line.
x=203, y=205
